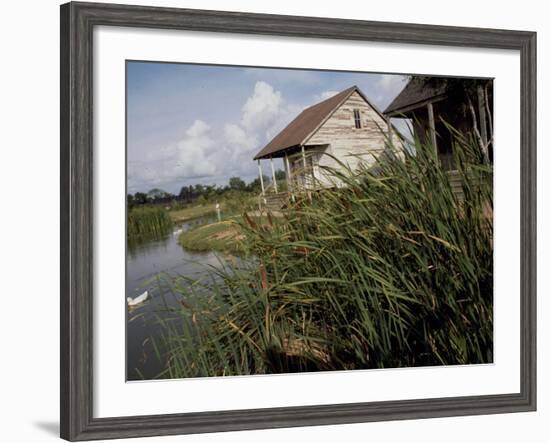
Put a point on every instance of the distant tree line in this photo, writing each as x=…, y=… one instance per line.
x=200, y=193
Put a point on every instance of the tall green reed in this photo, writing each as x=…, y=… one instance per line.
x=391, y=269
x=147, y=223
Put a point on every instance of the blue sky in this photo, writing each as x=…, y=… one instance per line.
x=191, y=124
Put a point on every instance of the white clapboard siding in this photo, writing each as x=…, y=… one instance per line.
x=351, y=145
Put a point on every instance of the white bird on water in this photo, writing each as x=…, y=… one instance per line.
x=137, y=300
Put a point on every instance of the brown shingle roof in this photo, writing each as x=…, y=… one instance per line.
x=416, y=91
x=298, y=130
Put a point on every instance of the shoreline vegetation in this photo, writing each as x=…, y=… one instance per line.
x=154, y=221
x=192, y=212
x=147, y=223
x=392, y=269
x=225, y=236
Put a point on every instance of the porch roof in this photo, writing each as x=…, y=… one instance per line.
x=416, y=93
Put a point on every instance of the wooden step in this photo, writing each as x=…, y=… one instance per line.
x=275, y=202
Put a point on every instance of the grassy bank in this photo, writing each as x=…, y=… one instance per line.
x=232, y=203
x=192, y=212
x=225, y=236
x=390, y=270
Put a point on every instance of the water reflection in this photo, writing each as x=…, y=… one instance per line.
x=153, y=266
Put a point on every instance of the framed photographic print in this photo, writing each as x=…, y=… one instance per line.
x=274, y=221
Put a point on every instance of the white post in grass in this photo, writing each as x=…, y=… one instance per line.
x=261, y=177
x=273, y=175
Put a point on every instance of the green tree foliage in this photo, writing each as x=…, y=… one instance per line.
x=280, y=174
x=237, y=184
x=140, y=198
x=256, y=186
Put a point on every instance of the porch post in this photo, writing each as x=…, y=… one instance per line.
x=390, y=135
x=432, y=126
x=483, y=122
x=261, y=177
x=288, y=177
x=481, y=109
x=273, y=175
x=304, y=163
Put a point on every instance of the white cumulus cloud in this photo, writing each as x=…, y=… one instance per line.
x=207, y=153
x=194, y=152
x=198, y=129
x=192, y=156
x=325, y=95
x=388, y=86
x=262, y=108
x=238, y=140
x=389, y=82
x=263, y=115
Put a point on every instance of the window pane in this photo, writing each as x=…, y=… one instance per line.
x=357, y=118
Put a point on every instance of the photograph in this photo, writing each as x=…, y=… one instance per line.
x=283, y=220
x=271, y=222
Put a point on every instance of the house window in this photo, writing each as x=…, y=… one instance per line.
x=357, y=118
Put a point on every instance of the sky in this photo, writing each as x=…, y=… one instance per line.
x=190, y=124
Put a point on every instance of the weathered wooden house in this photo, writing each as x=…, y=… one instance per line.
x=345, y=128
x=434, y=103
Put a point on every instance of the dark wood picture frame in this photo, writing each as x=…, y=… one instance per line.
x=77, y=23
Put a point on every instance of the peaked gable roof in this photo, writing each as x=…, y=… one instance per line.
x=308, y=121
